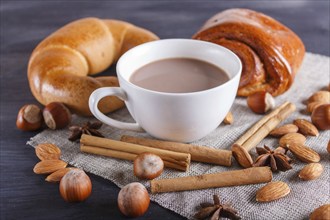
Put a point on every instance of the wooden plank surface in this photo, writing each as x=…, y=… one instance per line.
x=25, y=23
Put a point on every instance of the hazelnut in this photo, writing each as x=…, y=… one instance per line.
x=75, y=186
x=56, y=115
x=133, y=200
x=321, y=213
x=148, y=166
x=261, y=102
x=320, y=96
x=321, y=117
x=29, y=118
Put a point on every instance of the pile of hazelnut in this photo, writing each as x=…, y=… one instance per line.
x=133, y=199
x=55, y=115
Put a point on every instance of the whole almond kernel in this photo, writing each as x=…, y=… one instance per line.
x=328, y=147
x=306, y=127
x=47, y=151
x=311, y=171
x=320, y=96
x=272, y=191
x=49, y=166
x=229, y=119
x=304, y=153
x=283, y=130
x=292, y=138
x=57, y=175
x=313, y=105
x=322, y=212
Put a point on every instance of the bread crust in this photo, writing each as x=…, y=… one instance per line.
x=60, y=66
x=270, y=52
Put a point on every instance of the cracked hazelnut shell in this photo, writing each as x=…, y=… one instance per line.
x=261, y=102
x=56, y=115
x=29, y=118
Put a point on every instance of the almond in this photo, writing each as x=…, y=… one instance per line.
x=47, y=151
x=311, y=171
x=292, y=138
x=241, y=155
x=306, y=127
x=322, y=212
x=57, y=175
x=304, y=153
x=229, y=119
x=328, y=147
x=320, y=96
x=49, y=166
x=283, y=130
x=313, y=105
x=272, y=191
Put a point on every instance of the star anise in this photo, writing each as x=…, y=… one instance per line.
x=275, y=159
x=88, y=128
x=216, y=210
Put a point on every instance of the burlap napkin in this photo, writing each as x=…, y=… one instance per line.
x=305, y=196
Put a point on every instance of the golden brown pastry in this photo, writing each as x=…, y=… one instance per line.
x=59, y=66
x=270, y=52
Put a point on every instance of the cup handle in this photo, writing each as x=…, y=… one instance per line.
x=100, y=93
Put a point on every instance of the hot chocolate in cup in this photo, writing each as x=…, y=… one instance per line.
x=185, y=111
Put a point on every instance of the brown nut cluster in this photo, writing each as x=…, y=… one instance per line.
x=55, y=115
x=75, y=185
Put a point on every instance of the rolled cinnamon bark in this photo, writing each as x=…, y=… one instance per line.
x=270, y=52
x=126, y=156
x=198, y=153
x=258, y=132
x=247, y=176
x=182, y=160
x=268, y=126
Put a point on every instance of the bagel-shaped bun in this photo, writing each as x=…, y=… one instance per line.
x=60, y=66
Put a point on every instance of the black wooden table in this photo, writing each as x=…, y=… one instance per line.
x=25, y=195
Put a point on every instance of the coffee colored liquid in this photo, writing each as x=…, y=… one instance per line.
x=179, y=75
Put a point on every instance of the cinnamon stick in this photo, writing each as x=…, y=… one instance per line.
x=198, y=153
x=268, y=126
x=123, y=155
x=258, y=132
x=247, y=176
x=124, y=150
x=258, y=124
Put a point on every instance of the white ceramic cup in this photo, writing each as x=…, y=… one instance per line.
x=182, y=117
